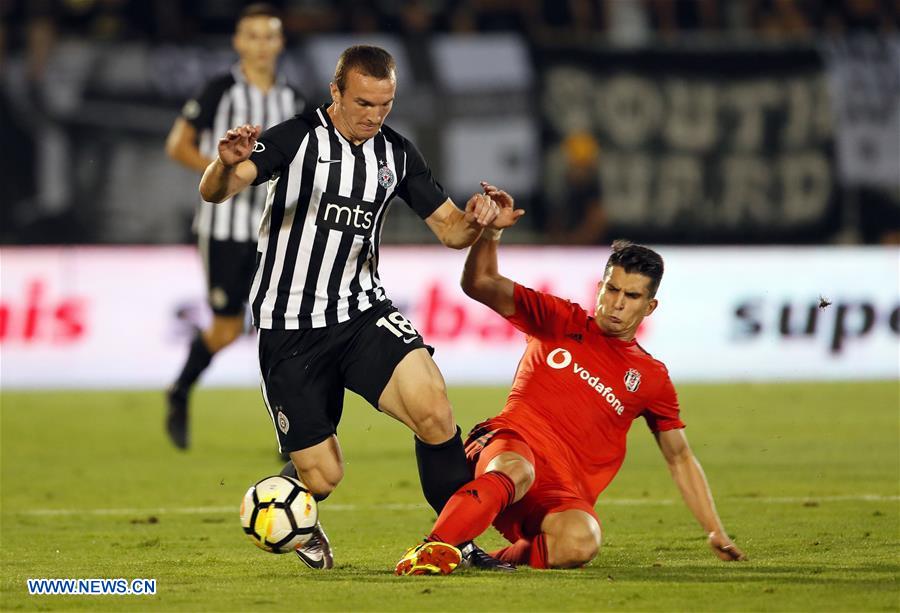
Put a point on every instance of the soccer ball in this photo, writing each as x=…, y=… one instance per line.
x=279, y=514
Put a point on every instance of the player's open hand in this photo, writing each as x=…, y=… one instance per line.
x=238, y=143
x=481, y=211
x=508, y=214
x=725, y=548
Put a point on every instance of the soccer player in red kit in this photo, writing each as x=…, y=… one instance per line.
x=541, y=463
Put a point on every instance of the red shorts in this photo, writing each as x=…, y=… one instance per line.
x=553, y=490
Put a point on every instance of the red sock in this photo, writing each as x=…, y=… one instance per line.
x=538, y=558
x=473, y=507
x=517, y=553
x=531, y=552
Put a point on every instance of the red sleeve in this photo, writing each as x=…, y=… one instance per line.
x=539, y=314
x=662, y=413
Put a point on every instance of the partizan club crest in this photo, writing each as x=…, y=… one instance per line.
x=632, y=380
x=385, y=175
x=283, y=424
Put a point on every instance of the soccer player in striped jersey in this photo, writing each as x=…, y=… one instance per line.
x=540, y=464
x=252, y=92
x=325, y=322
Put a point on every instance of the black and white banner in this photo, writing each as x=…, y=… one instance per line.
x=709, y=146
x=864, y=75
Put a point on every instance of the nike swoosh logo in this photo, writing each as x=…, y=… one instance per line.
x=321, y=161
x=409, y=340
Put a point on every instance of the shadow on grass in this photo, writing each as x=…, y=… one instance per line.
x=747, y=572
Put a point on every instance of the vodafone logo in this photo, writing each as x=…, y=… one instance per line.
x=559, y=358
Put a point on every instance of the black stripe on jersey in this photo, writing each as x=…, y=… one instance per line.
x=357, y=190
x=317, y=253
x=307, y=175
x=276, y=218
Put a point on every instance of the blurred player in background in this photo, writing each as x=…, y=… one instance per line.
x=541, y=463
x=252, y=92
x=324, y=320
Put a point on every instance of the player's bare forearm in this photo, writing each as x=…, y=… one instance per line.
x=459, y=229
x=232, y=170
x=220, y=181
x=691, y=481
x=481, y=279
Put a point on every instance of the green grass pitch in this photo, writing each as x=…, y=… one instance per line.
x=806, y=479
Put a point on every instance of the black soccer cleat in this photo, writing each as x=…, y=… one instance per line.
x=176, y=417
x=316, y=553
x=474, y=556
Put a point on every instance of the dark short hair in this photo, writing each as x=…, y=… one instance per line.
x=637, y=259
x=258, y=9
x=371, y=61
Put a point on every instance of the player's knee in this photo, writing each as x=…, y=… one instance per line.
x=320, y=480
x=432, y=417
x=577, y=545
x=518, y=469
x=575, y=550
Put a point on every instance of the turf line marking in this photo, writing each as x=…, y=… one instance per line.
x=415, y=506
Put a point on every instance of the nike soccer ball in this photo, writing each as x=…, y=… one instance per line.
x=279, y=514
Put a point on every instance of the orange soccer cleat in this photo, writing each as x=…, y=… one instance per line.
x=432, y=558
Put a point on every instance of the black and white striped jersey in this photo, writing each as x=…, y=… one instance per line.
x=325, y=209
x=225, y=102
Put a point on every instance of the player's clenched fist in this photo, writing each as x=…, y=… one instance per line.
x=481, y=210
x=238, y=143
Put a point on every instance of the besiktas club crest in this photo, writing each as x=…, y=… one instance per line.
x=385, y=176
x=632, y=380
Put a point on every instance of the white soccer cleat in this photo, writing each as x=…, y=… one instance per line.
x=316, y=553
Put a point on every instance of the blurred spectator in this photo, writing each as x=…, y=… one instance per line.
x=674, y=18
x=627, y=23
x=782, y=19
x=488, y=15
x=575, y=213
x=561, y=20
x=853, y=16
x=311, y=16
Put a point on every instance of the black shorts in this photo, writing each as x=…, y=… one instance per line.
x=305, y=372
x=229, y=267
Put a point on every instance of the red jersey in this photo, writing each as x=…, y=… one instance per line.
x=577, y=391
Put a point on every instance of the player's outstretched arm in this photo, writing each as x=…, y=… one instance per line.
x=481, y=279
x=232, y=171
x=181, y=146
x=688, y=475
